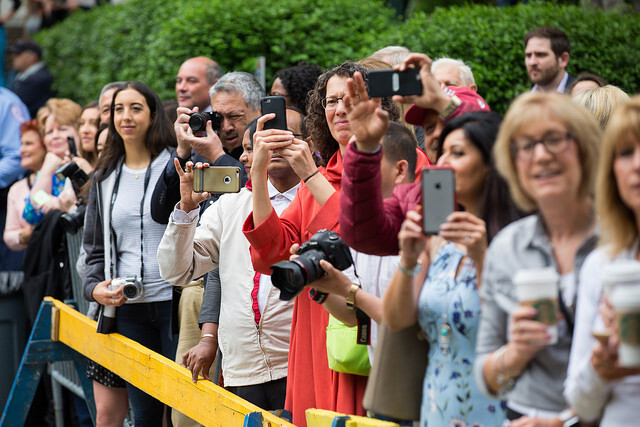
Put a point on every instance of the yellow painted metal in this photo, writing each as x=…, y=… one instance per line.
x=160, y=377
x=322, y=418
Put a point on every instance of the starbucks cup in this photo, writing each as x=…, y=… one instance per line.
x=538, y=288
x=626, y=305
x=620, y=273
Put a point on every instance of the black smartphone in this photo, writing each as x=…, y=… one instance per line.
x=277, y=105
x=438, y=197
x=72, y=147
x=383, y=83
x=216, y=179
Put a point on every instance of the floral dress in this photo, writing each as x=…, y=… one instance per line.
x=450, y=396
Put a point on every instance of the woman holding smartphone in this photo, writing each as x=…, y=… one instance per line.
x=443, y=294
x=121, y=239
x=546, y=149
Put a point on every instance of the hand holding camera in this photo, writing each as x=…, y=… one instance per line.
x=432, y=96
x=189, y=133
x=189, y=199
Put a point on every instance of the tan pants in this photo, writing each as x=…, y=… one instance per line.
x=188, y=312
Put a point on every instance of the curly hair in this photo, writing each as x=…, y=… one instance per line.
x=317, y=126
x=298, y=81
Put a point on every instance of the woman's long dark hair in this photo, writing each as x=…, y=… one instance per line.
x=497, y=208
x=160, y=134
x=323, y=141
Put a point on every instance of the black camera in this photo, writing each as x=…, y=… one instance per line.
x=131, y=286
x=72, y=171
x=72, y=222
x=292, y=276
x=198, y=121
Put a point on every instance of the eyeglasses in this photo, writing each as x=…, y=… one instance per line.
x=553, y=143
x=331, y=103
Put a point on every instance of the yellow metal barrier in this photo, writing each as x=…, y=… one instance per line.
x=160, y=377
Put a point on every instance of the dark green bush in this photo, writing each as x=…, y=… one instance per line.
x=490, y=40
x=148, y=39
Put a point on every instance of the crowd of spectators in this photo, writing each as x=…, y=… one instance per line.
x=553, y=184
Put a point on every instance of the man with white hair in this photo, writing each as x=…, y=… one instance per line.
x=394, y=55
x=453, y=72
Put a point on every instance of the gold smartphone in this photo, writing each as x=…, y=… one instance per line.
x=216, y=179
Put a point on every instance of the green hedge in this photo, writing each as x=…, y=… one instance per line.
x=148, y=39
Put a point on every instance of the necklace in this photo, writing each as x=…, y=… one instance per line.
x=444, y=336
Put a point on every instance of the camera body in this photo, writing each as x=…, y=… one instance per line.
x=198, y=121
x=292, y=276
x=131, y=286
x=72, y=222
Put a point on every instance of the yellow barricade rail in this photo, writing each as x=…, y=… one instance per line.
x=168, y=382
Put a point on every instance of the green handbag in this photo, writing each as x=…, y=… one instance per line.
x=343, y=351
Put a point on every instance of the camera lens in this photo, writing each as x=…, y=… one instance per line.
x=131, y=290
x=197, y=122
x=227, y=179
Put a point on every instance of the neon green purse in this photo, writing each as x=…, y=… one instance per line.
x=343, y=351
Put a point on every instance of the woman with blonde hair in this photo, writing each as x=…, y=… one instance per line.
x=547, y=150
x=597, y=387
x=602, y=101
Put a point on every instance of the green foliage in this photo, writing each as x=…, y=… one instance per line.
x=148, y=39
x=490, y=40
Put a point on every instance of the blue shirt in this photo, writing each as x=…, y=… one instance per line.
x=12, y=113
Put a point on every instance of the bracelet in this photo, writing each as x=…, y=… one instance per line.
x=408, y=271
x=503, y=375
x=351, y=298
x=450, y=108
x=310, y=176
x=208, y=336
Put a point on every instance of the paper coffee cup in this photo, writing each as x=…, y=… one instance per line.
x=626, y=305
x=538, y=288
x=620, y=273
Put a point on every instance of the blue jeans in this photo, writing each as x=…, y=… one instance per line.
x=149, y=324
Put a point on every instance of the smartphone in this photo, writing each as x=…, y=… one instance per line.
x=383, y=83
x=216, y=179
x=72, y=147
x=277, y=105
x=438, y=197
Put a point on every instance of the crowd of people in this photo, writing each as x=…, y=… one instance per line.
x=553, y=184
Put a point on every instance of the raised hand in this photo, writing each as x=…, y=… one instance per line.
x=433, y=97
x=209, y=145
x=189, y=199
x=468, y=230
x=367, y=119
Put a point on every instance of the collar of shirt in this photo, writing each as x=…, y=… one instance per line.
x=561, y=87
x=289, y=194
x=29, y=71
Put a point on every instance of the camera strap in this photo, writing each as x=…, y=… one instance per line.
x=364, y=327
x=114, y=196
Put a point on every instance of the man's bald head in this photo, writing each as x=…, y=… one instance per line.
x=195, y=77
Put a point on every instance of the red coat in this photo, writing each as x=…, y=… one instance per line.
x=310, y=382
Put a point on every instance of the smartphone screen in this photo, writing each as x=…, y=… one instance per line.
x=277, y=105
x=216, y=179
x=383, y=83
x=438, y=197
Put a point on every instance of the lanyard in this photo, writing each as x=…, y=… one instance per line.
x=114, y=195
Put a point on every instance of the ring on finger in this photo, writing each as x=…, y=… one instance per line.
x=467, y=238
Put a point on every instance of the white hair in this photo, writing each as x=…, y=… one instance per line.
x=465, y=71
x=394, y=55
x=243, y=83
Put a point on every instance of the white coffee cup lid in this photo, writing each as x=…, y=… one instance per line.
x=626, y=297
x=535, y=276
x=622, y=271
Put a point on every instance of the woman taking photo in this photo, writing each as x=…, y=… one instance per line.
x=310, y=382
x=546, y=149
x=443, y=296
x=121, y=239
x=597, y=387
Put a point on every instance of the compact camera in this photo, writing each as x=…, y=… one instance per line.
x=292, y=276
x=131, y=286
x=198, y=121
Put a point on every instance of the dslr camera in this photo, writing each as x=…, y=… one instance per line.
x=292, y=276
x=72, y=171
x=198, y=121
x=131, y=286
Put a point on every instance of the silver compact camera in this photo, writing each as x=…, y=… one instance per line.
x=131, y=286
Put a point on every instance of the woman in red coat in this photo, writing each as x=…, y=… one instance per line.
x=310, y=383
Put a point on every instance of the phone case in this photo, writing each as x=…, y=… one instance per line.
x=438, y=197
x=383, y=83
x=73, y=152
x=277, y=105
x=217, y=179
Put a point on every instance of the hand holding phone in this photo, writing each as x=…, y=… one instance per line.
x=438, y=197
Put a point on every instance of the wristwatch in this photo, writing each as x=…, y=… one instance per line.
x=568, y=418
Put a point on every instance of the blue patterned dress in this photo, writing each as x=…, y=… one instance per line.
x=450, y=396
